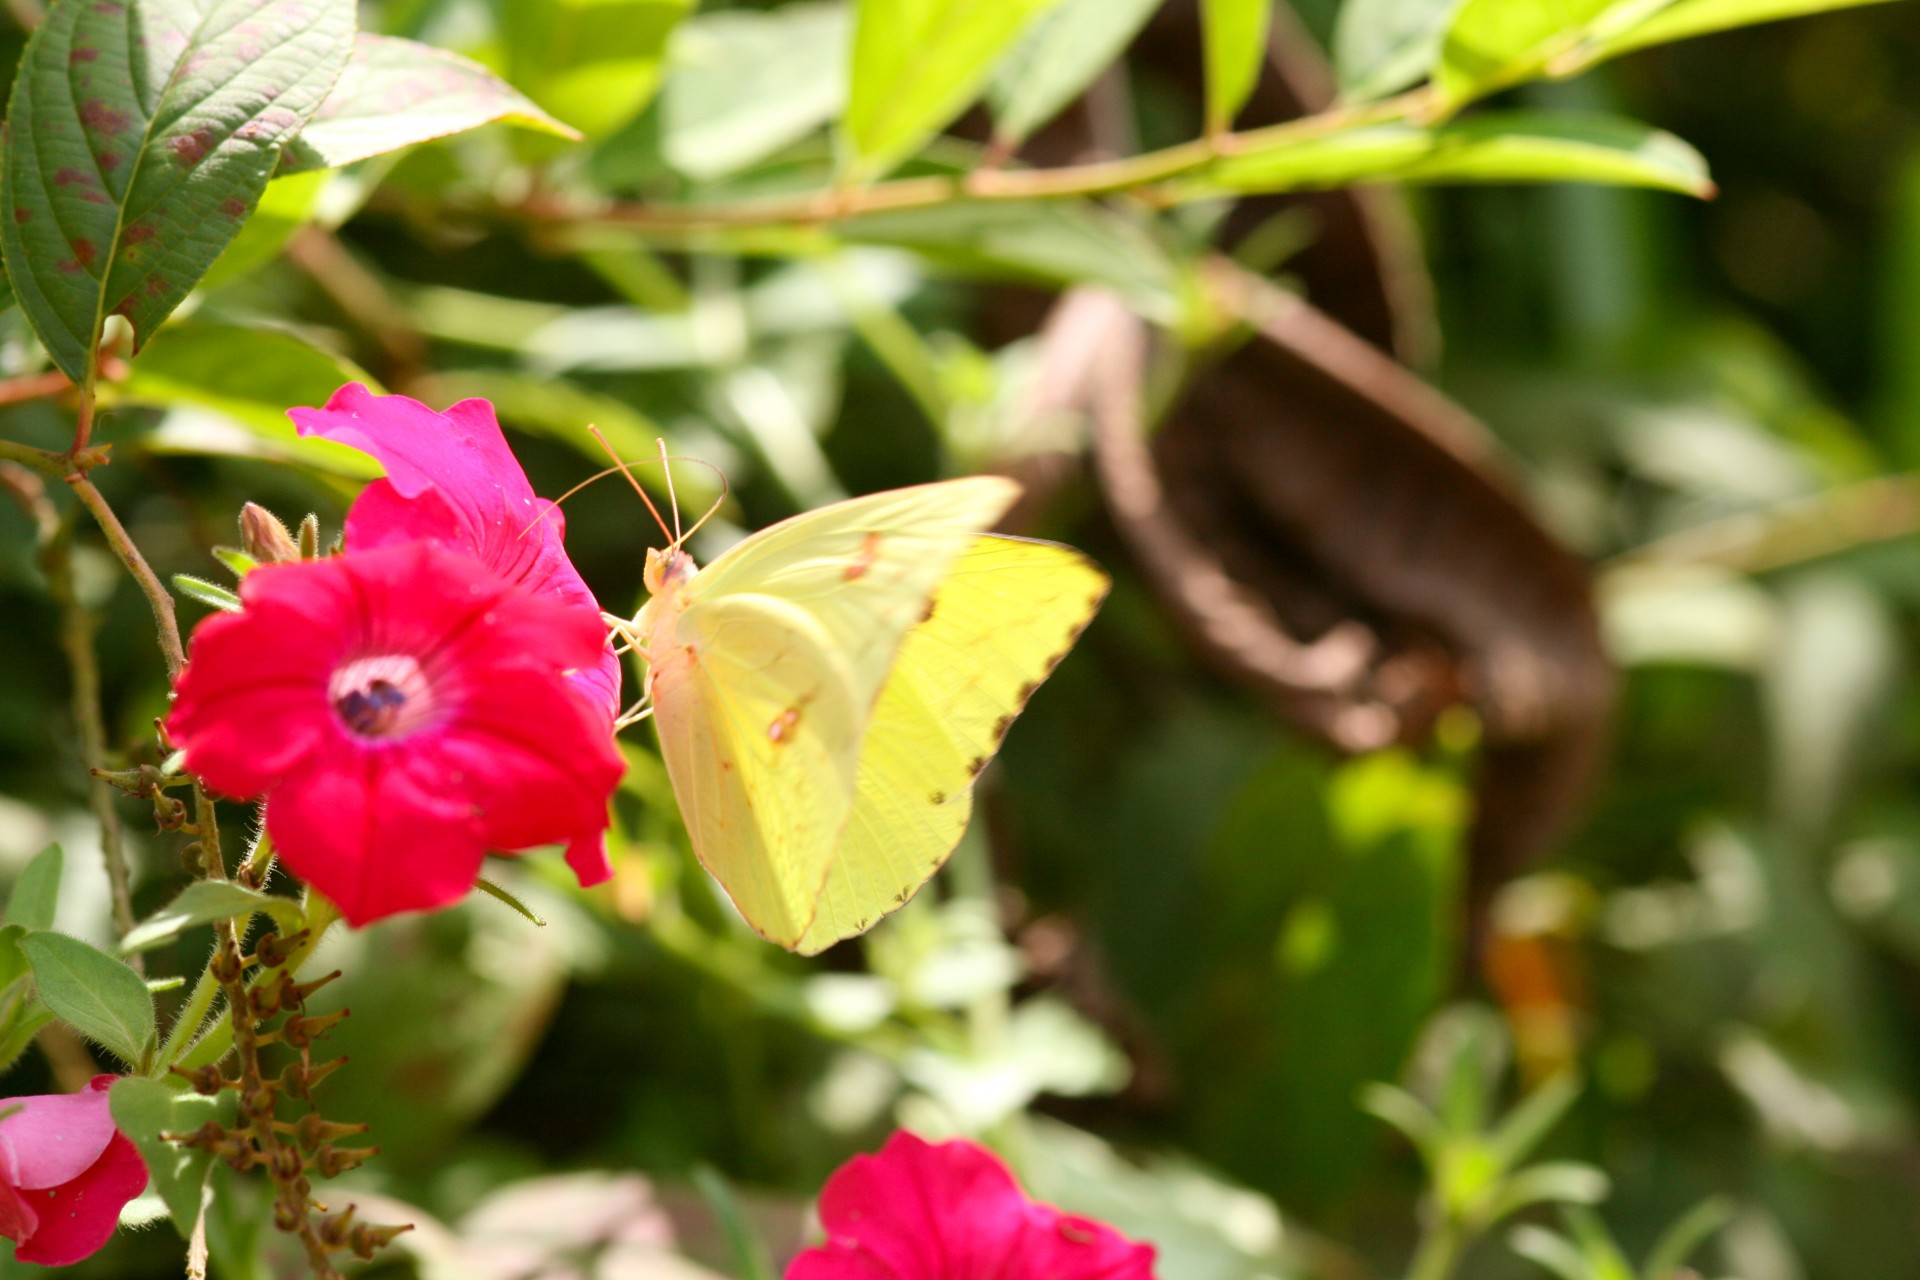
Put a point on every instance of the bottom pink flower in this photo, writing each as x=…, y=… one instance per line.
x=917, y=1211
x=65, y=1174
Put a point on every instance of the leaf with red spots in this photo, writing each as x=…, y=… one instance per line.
x=395, y=93
x=141, y=134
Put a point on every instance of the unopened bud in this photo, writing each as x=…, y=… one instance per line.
x=310, y=537
x=263, y=537
x=299, y=1079
x=272, y=950
x=312, y=1130
x=333, y=1161
x=301, y=1032
x=333, y=1230
x=368, y=1239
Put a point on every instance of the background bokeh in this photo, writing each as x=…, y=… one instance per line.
x=1182, y=935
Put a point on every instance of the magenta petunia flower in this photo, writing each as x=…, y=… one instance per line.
x=952, y=1211
x=65, y=1174
x=451, y=479
x=403, y=711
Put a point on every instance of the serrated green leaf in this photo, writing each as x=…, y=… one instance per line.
x=249, y=377
x=36, y=894
x=203, y=902
x=143, y=1110
x=743, y=85
x=96, y=994
x=916, y=65
x=140, y=136
x=206, y=593
x=1235, y=33
x=285, y=206
x=1381, y=46
x=395, y=93
x=1058, y=57
x=592, y=63
x=1504, y=147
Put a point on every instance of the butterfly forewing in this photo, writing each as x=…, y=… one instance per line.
x=1006, y=613
x=764, y=679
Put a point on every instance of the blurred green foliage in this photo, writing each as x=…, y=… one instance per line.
x=1181, y=941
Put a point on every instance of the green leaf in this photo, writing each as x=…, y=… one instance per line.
x=1503, y=147
x=19, y=1024
x=143, y=1110
x=1382, y=46
x=1686, y=18
x=37, y=892
x=206, y=593
x=203, y=902
x=1495, y=43
x=554, y=408
x=395, y=93
x=141, y=134
x=249, y=377
x=1060, y=55
x=1551, y=1251
x=743, y=85
x=1523, y=1128
x=99, y=996
x=916, y=65
x=1236, y=49
x=1670, y=1252
x=1557, y=1182
x=287, y=205
x=1042, y=242
x=592, y=63
x=500, y=893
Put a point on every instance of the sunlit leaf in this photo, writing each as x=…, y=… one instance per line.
x=140, y=136
x=1682, y=19
x=592, y=63
x=1060, y=55
x=395, y=93
x=916, y=65
x=1504, y=147
x=204, y=902
x=743, y=84
x=96, y=994
x=249, y=378
x=1235, y=32
x=37, y=892
x=1380, y=46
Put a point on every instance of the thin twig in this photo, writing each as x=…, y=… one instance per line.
x=164, y=621
x=987, y=184
x=55, y=537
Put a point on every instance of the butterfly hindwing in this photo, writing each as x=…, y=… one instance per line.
x=1006, y=612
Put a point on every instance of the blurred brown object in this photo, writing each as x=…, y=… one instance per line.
x=1327, y=528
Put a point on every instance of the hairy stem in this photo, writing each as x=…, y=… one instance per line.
x=292, y=1193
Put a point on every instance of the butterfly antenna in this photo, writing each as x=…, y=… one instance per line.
x=721, y=501
x=666, y=469
x=620, y=465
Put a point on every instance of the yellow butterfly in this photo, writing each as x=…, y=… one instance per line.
x=828, y=691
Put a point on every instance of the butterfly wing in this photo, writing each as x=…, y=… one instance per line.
x=1006, y=613
x=764, y=683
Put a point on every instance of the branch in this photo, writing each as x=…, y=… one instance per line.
x=158, y=598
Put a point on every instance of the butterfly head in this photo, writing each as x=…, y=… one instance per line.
x=668, y=567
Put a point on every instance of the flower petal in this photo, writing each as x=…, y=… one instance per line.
x=77, y=1217
x=374, y=836
x=451, y=479
x=55, y=1137
x=952, y=1211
